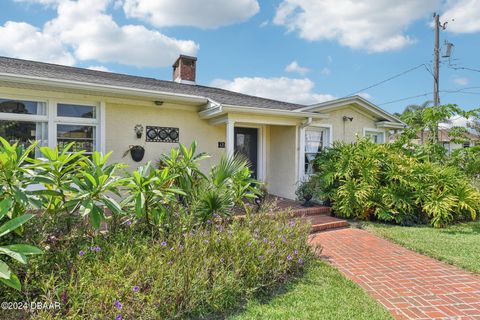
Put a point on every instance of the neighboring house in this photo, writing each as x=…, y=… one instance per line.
x=104, y=111
x=470, y=139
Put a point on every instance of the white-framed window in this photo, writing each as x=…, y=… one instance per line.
x=315, y=140
x=52, y=123
x=377, y=136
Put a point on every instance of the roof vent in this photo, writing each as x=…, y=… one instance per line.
x=184, y=69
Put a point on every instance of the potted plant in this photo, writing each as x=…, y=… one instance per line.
x=305, y=191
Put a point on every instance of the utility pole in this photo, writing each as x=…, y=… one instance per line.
x=436, y=62
x=436, y=67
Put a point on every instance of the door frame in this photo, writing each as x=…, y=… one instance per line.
x=261, y=148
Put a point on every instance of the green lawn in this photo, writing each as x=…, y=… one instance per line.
x=458, y=244
x=322, y=293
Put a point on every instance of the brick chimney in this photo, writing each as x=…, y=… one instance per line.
x=184, y=69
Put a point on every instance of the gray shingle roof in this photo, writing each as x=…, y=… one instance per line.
x=53, y=71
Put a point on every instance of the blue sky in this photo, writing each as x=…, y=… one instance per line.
x=333, y=47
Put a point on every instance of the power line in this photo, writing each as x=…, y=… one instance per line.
x=461, y=90
x=465, y=68
x=388, y=79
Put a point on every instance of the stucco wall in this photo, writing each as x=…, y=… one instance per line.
x=282, y=164
x=121, y=119
x=347, y=130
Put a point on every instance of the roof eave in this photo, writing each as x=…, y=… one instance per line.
x=101, y=88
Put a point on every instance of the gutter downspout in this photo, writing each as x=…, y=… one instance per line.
x=306, y=123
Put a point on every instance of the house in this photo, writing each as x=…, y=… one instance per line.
x=112, y=112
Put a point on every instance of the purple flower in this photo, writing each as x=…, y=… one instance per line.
x=284, y=239
x=300, y=261
x=118, y=305
x=92, y=248
x=222, y=260
x=216, y=216
x=163, y=244
x=128, y=222
x=295, y=252
x=119, y=317
x=81, y=253
x=209, y=221
x=98, y=249
x=289, y=257
x=265, y=240
x=292, y=223
x=136, y=289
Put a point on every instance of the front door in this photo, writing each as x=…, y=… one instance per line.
x=246, y=144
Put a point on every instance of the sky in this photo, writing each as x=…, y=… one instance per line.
x=302, y=51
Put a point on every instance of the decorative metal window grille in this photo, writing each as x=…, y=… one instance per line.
x=162, y=134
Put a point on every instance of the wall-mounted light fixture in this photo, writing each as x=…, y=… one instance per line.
x=138, y=130
x=158, y=102
x=345, y=118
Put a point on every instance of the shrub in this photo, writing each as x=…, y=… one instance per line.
x=366, y=180
x=211, y=269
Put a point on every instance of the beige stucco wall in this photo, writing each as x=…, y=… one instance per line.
x=347, y=130
x=282, y=164
x=122, y=118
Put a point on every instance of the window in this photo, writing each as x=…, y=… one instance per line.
x=50, y=123
x=315, y=142
x=466, y=144
x=375, y=136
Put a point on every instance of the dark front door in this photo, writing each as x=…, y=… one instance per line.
x=246, y=144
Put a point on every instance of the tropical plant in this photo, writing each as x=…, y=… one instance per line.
x=366, y=180
x=93, y=187
x=17, y=252
x=184, y=163
x=15, y=176
x=151, y=193
x=306, y=190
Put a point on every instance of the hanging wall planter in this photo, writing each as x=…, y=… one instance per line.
x=136, y=152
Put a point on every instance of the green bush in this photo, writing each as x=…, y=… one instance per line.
x=210, y=269
x=366, y=180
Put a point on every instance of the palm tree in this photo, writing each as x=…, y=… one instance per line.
x=413, y=116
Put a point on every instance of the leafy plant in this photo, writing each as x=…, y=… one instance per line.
x=15, y=176
x=17, y=252
x=366, y=180
x=151, y=193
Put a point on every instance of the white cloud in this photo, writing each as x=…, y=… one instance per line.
x=83, y=30
x=295, y=67
x=372, y=25
x=264, y=24
x=99, y=68
x=465, y=15
x=22, y=40
x=325, y=71
x=203, y=14
x=94, y=35
x=283, y=88
x=462, y=81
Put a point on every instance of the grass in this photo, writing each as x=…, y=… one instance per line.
x=457, y=244
x=322, y=293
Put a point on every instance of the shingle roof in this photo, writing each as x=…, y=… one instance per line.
x=53, y=71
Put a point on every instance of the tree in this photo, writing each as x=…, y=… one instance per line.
x=412, y=115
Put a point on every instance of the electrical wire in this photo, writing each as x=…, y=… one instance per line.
x=388, y=79
x=461, y=90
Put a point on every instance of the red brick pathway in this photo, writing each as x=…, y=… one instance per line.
x=408, y=284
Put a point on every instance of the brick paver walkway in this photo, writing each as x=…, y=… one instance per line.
x=408, y=284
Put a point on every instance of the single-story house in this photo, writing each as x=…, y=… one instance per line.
x=111, y=112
